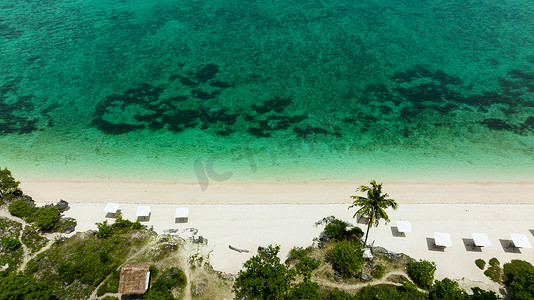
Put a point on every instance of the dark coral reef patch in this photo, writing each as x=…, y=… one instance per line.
x=144, y=107
x=420, y=93
x=17, y=112
x=414, y=98
x=438, y=91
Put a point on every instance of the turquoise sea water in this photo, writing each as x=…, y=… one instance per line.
x=267, y=90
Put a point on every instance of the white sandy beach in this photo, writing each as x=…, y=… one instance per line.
x=274, y=193
x=285, y=214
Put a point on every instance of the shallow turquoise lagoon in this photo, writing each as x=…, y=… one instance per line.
x=267, y=90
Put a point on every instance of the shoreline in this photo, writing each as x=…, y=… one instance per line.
x=249, y=193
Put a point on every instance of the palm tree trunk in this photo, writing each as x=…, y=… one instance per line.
x=367, y=233
x=368, y=227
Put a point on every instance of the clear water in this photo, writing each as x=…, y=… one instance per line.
x=267, y=90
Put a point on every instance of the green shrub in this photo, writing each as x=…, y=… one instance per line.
x=480, y=294
x=378, y=271
x=519, y=277
x=110, y=298
x=8, y=184
x=104, y=230
x=21, y=208
x=338, y=294
x=494, y=262
x=305, y=290
x=121, y=223
x=47, y=218
x=111, y=285
x=523, y=285
x=263, y=276
x=356, y=231
x=88, y=265
x=346, y=258
x=136, y=225
x=78, y=260
x=66, y=225
x=447, y=289
x=10, y=243
x=120, y=226
x=306, y=265
x=68, y=272
x=24, y=286
x=422, y=273
x=163, y=286
x=32, y=239
x=386, y=291
x=154, y=271
x=102, y=289
x=494, y=273
x=104, y=257
x=296, y=253
x=336, y=229
x=480, y=263
x=515, y=267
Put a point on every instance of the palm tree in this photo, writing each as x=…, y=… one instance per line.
x=373, y=205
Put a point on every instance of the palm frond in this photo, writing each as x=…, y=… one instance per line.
x=375, y=202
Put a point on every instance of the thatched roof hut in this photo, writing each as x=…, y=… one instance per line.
x=134, y=279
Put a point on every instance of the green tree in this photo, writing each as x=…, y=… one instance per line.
x=373, y=205
x=306, y=265
x=447, y=289
x=24, y=286
x=347, y=258
x=422, y=273
x=8, y=184
x=378, y=271
x=104, y=230
x=480, y=294
x=337, y=229
x=21, y=208
x=515, y=267
x=519, y=279
x=305, y=290
x=47, y=218
x=264, y=276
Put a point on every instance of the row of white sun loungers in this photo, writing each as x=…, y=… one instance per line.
x=143, y=211
x=443, y=239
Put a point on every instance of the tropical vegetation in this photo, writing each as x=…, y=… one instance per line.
x=422, y=272
x=8, y=185
x=373, y=206
x=264, y=276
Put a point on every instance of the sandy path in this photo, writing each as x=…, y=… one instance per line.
x=353, y=288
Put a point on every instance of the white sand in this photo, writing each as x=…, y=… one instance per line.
x=285, y=214
x=271, y=193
